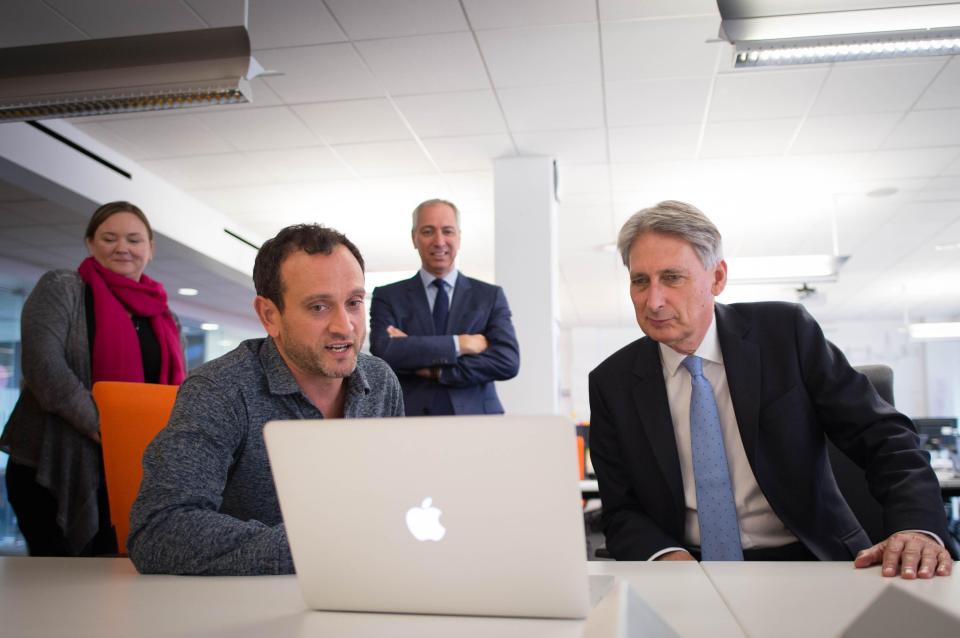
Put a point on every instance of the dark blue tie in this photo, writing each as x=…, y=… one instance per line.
x=441, y=307
x=716, y=510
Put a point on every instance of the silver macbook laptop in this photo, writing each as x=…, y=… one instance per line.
x=475, y=515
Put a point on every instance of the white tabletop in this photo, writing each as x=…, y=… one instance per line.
x=815, y=599
x=52, y=597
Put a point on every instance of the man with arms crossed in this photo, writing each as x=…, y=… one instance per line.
x=449, y=348
x=207, y=503
x=708, y=434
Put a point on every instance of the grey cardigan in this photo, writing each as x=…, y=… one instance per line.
x=52, y=426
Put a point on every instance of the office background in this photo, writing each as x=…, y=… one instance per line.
x=376, y=105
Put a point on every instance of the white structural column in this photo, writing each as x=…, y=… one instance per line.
x=526, y=267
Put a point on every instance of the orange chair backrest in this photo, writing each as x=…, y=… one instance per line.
x=131, y=414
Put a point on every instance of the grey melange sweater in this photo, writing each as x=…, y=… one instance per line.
x=207, y=503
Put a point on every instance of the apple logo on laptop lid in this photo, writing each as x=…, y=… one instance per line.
x=424, y=521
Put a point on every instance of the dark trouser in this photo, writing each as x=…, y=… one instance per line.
x=791, y=552
x=36, y=510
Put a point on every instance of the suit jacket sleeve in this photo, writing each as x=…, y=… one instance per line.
x=631, y=533
x=499, y=362
x=409, y=353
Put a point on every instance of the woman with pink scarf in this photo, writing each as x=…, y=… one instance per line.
x=106, y=321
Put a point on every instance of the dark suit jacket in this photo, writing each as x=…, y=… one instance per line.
x=790, y=387
x=478, y=308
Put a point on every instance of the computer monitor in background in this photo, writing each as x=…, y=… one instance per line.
x=941, y=429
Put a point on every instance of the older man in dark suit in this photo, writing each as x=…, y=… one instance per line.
x=708, y=435
x=447, y=336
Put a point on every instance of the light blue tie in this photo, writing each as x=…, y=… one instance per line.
x=719, y=531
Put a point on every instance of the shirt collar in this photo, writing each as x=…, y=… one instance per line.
x=708, y=350
x=450, y=278
x=281, y=381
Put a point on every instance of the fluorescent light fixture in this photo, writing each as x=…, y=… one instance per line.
x=934, y=330
x=784, y=269
x=188, y=292
x=209, y=327
x=777, y=32
x=122, y=75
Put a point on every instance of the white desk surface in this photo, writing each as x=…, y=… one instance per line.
x=52, y=597
x=814, y=599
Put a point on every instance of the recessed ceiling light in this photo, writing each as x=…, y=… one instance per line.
x=209, y=326
x=188, y=292
x=883, y=192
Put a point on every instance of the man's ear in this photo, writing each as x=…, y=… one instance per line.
x=268, y=314
x=719, y=278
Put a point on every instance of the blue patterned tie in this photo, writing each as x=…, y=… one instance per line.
x=719, y=530
x=441, y=307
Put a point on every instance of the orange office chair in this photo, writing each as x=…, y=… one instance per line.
x=131, y=414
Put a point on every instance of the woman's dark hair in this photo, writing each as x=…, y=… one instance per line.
x=108, y=210
x=310, y=238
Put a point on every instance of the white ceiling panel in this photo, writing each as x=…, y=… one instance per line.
x=475, y=185
x=300, y=164
x=291, y=23
x=859, y=87
x=27, y=22
x=453, y=114
x=631, y=9
x=369, y=19
x=754, y=137
x=660, y=49
x=259, y=129
x=127, y=18
x=383, y=159
x=218, y=13
x=537, y=56
x=201, y=171
x=944, y=92
x=505, y=14
x=907, y=163
x=548, y=108
x=765, y=94
x=469, y=153
x=839, y=133
x=354, y=121
x=587, y=146
x=172, y=136
x=589, y=179
x=318, y=73
x=105, y=136
x=926, y=128
x=664, y=101
x=426, y=64
x=648, y=143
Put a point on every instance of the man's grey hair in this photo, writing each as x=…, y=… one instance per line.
x=680, y=219
x=433, y=202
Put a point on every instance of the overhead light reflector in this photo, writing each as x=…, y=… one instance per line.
x=121, y=75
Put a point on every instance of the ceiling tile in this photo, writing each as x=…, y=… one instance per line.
x=587, y=146
x=593, y=178
x=288, y=23
x=448, y=114
x=172, y=136
x=839, y=133
x=219, y=13
x=27, y=22
x=944, y=92
x=102, y=134
x=505, y=14
x=665, y=101
x=660, y=142
x=567, y=54
x=469, y=153
x=765, y=94
x=929, y=162
x=318, y=73
x=855, y=87
x=470, y=184
x=926, y=128
x=426, y=64
x=738, y=139
x=301, y=164
x=256, y=129
x=630, y=9
x=354, y=121
x=660, y=48
x=547, y=108
x=209, y=171
x=368, y=19
x=127, y=18
x=380, y=159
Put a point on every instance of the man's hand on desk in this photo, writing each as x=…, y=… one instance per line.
x=680, y=554
x=917, y=555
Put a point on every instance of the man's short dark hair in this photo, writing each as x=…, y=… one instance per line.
x=310, y=238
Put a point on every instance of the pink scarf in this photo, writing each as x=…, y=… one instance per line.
x=116, y=348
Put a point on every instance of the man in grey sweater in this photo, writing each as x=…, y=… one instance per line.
x=207, y=503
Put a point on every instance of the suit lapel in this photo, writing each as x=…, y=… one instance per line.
x=461, y=297
x=741, y=360
x=417, y=299
x=653, y=410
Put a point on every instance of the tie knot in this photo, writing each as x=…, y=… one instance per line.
x=437, y=283
x=694, y=365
